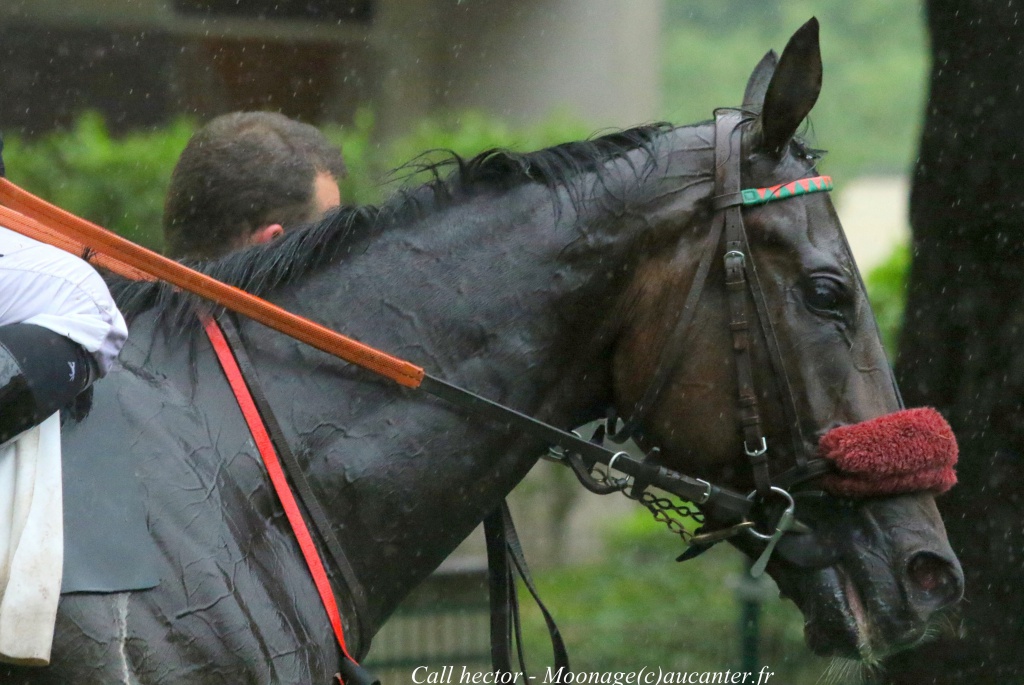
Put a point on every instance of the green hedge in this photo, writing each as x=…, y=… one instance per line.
x=639, y=609
x=120, y=182
x=116, y=182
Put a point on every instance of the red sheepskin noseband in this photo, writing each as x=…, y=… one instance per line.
x=911, y=450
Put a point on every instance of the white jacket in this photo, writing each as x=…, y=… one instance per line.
x=48, y=287
x=45, y=286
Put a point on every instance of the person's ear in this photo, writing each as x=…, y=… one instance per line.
x=267, y=233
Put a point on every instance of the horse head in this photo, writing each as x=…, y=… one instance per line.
x=788, y=353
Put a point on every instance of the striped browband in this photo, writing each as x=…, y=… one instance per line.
x=759, y=196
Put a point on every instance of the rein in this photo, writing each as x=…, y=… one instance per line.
x=266, y=433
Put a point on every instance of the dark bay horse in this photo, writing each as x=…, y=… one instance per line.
x=550, y=282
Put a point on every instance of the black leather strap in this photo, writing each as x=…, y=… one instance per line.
x=796, y=475
x=505, y=554
x=727, y=183
x=499, y=588
x=720, y=202
x=313, y=511
x=683, y=486
x=670, y=351
x=728, y=199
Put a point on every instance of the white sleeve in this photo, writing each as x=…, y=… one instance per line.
x=45, y=286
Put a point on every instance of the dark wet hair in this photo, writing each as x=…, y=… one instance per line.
x=240, y=172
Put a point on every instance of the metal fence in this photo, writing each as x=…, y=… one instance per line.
x=444, y=622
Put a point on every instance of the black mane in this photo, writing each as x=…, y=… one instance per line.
x=262, y=268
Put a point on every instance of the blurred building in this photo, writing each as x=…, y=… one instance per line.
x=141, y=62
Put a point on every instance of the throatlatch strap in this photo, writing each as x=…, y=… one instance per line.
x=353, y=673
x=669, y=358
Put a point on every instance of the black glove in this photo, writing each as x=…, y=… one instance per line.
x=40, y=372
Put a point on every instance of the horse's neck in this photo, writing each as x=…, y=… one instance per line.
x=499, y=300
x=489, y=299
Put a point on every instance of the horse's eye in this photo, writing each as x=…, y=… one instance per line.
x=825, y=294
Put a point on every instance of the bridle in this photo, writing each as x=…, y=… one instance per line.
x=724, y=514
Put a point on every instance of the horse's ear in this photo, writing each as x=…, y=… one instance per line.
x=793, y=89
x=757, y=85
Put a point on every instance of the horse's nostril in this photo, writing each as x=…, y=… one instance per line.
x=935, y=576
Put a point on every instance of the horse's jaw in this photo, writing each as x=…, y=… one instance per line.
x=887, y=591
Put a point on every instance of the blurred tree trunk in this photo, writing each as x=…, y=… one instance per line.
x=962, y=346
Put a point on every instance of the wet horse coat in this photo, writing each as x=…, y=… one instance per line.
x=546, y=281
x=226, y=549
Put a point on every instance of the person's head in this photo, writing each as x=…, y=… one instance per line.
x=244, y=178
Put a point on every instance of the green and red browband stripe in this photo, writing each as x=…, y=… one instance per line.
x=803, y=186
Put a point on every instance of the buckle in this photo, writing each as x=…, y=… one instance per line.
x=735, y=254
x=759, y=451
x=557, y=454
x=706, y=495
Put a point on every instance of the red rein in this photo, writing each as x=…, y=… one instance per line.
x=907, y=451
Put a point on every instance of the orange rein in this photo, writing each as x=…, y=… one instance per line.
x=38, y=219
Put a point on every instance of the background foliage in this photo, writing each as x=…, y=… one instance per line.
x=875, y=66
x=639, y=609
